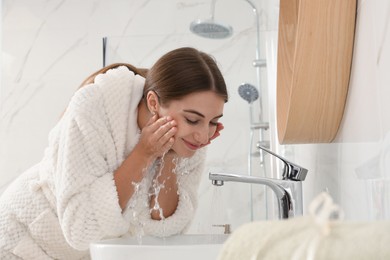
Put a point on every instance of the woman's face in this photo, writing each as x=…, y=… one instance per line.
x=196, y=115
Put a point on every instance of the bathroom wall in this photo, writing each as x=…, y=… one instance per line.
x=355, y=167
x=49, y=47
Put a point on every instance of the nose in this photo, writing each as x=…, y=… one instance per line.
x=202, y=136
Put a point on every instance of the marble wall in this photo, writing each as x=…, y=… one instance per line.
x=49, y=47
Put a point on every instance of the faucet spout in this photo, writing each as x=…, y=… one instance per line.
x=288, y=190
x=284, y=199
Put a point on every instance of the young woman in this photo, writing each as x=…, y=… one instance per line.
x=126, y=157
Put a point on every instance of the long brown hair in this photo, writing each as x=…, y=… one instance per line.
x=184, y=71
x=176, y=74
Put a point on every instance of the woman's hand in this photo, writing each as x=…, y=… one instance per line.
x=157, y=137
x=217, y=133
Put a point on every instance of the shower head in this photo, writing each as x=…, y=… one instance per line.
x=248, y=92
x=211, y=29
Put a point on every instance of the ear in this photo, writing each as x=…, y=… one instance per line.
x=152, y=102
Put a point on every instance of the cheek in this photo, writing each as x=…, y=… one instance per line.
x=162, y=112
x=182, y=128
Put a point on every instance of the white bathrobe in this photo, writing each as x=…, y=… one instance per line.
x=56, y=208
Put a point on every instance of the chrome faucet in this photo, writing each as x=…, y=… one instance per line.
x=288, y=190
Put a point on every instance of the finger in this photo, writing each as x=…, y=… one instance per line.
x=220, y=126
x=152, y=120
x=168, y=145
x=215, y=135
x=154, y=126
x=166, y=137
x=164, y=146
x=164, y=129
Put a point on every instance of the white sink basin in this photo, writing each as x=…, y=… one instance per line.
x=188, y=247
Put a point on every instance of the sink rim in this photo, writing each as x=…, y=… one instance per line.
x=184, y=240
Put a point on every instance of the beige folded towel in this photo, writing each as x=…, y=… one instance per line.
x=317, y=236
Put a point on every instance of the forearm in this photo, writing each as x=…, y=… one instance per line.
x=130, y=172
x=167, y=198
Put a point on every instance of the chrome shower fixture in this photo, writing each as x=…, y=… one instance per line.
x=248, y=92
x=209, y=28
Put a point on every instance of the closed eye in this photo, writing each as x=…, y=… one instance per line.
x=192, y=122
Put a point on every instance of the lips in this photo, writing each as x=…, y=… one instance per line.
x=191, y=145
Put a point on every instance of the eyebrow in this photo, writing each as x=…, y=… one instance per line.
x=199, y=114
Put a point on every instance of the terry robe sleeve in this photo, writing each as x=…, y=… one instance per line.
x=90, y=141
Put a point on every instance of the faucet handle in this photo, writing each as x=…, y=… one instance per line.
x=226, y=228
x=291, y=170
